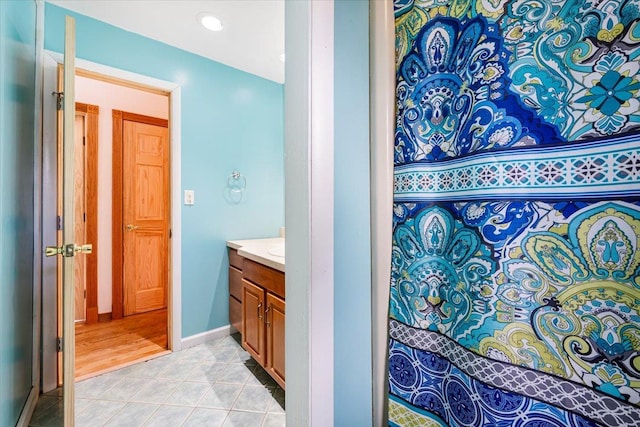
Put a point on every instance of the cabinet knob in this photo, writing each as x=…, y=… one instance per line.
x=266, y=315
x=259, y=310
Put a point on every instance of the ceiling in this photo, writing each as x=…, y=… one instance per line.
x=252, y=39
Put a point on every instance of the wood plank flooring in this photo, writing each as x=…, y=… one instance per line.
x=105, y=346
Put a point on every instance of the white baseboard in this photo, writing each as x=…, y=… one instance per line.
x=29, y=407
x=213, y=334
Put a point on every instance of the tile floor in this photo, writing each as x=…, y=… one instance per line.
x=215, y=384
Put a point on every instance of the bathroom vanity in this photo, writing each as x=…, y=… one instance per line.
x=257, y=300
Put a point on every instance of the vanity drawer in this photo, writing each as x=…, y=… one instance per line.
x=235, y=283
x=270, y=279
x=235, y=260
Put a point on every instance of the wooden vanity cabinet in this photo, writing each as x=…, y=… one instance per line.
x=263, y=311
x=235, y=289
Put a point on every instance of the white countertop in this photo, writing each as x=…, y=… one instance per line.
x=260, y=250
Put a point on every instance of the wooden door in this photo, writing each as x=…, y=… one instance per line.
x=68, y=241
x=253, y=338
x=145, y=213
x=275, y=337
x=67, y=250
x=80, y=272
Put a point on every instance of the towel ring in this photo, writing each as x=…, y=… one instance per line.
x=236, y=181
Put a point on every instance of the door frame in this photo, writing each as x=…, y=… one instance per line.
x=117, y=228
x=91, y=113
x=174, y=306
x=309, y=212
x=38, y=238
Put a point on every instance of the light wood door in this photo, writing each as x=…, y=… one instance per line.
x=68, y=243
x=275, y=337
x=80, y=272
x=253, y=338
x=66, y=249
x=145, y=216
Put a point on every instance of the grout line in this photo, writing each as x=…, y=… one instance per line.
x=111, y=417
x=237, y=397
x=150, y=415
x=188, y=416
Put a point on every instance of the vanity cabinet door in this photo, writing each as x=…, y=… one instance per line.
x=253, y=330
x=275, y=337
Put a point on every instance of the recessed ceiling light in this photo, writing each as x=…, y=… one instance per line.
x=210, y=22
x=282, y=57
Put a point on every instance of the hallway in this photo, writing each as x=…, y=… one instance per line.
x=105, y=346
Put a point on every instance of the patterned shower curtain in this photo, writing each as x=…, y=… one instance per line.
x=515, y=288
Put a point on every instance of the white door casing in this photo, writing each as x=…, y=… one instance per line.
x=49, y=200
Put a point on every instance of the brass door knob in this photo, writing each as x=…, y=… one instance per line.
x=131, y=227
x=53, y=250
x=83, y=249
x=68, y=250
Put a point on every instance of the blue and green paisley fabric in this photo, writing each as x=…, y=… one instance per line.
x=515, y=282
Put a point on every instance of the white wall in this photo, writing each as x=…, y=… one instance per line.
x=108, y=97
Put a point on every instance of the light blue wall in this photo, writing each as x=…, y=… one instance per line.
x=352, y=252
x=17, y=107
x=230, y=120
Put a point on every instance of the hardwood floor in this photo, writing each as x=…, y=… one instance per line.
x=105, y=346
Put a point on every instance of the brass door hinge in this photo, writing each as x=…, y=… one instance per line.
x=59, y=100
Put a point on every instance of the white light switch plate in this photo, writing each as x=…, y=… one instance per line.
x=189, y=197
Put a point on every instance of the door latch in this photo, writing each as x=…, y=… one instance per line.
x=68, y=250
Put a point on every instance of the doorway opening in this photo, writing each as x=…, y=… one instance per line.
x=121, y=124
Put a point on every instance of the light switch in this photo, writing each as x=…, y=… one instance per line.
x=189, y=197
